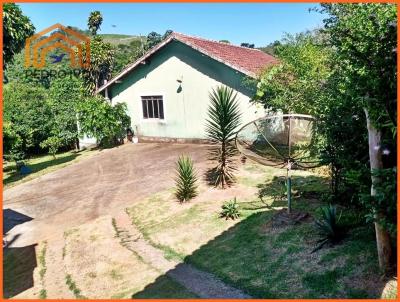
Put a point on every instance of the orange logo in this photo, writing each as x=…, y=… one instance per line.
x=38, y=46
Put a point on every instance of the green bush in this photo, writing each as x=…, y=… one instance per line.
x=99, y=119
x=230, y=210
x=328, y=226
x=52, y=144
x=186, y=187
x=384, y=202
x=27, y=119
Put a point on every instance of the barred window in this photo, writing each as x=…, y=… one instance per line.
x=153, y=107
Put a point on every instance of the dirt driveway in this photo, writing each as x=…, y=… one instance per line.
x=104, y=184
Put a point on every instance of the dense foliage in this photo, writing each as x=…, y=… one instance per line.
x=27, y=119
x=345, y=76
x=101, y=63
x=94, y=22
x=154, y=38
x=126, y=54
x=16, y=29
x=99, y=119
x=41, y=112
x=364, y=37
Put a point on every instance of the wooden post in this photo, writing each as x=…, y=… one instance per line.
x=375, y=156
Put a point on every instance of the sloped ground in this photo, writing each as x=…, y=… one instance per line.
x=103, y=184
x=82, y=244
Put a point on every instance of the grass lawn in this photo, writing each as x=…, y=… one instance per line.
x=41, y=165
x=248, y=253
x=164, y=288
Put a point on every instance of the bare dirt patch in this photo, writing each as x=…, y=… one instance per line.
x=103, y=184
x=100, y=271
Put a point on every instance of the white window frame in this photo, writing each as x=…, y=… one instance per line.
x=152, y=120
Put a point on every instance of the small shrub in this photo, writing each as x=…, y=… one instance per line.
x=52, y=143
x=328, y=227
x=43, y=294
x=230, y=210
x=186, y=187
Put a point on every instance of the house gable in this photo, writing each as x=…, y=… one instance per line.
x=183, y=78
x=194, y=59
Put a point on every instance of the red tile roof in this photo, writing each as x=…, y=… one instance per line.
x=249, y=61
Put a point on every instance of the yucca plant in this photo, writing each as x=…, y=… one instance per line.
x=230, y=209
x=186, y=179
x=328, y=226
x=222, y=123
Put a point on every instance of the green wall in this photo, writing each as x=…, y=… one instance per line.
x=185, y=104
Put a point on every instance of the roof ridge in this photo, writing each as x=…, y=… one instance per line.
x=214, y=41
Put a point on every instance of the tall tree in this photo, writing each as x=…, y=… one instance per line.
x=94, y=22
x=16, y=28
x=102, y=56
x=365, y=39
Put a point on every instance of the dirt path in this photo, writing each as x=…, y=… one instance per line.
x=84, y=196
x=104, y=184
x=203, y=284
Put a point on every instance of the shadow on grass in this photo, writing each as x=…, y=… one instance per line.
x=164, y=288
x=277, y=263
x=37, y=167
x=211, y=176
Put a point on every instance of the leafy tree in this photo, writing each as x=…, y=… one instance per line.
x=345, y=75
x=126, y=54
x=13, y=147
x=99, y=119
x=102, y=57
x=16, y=29
x=271, y=48
x=365, y=39
x=65, y=95
x=222, y=123
x=167, y=33
x=303, y=82
x=154, y=38
x=94, y=22
x=186, y=187
x=53, y=144
x=27, y=118
x=248, y=45
x=225, y=41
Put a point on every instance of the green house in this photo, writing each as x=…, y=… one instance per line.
x=167, y=89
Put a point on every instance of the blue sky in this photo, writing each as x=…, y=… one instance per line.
x=244, y=22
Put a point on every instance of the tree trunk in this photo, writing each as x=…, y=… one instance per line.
x=382, y=235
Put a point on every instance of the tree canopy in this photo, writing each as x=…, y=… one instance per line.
x=16, y=29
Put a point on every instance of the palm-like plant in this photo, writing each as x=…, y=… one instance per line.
x=223, y=120
x=328, y=227
x=94, y=22
x=186, y=187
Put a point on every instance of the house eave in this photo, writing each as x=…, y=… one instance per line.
x=162, y=44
